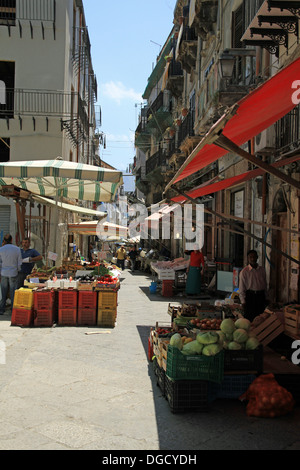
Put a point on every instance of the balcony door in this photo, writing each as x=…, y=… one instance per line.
x=7, y=85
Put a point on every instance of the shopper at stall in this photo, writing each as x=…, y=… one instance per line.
x=121, y=256
x=10, y=265
x=253, y=287
x=30, y=256
x=133, y=254
x=195, y=271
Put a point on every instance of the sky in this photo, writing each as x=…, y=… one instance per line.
x=126, y=37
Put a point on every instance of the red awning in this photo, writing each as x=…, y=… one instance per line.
x=210, y=187
x=254, y=113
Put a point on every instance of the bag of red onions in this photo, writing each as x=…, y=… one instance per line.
x=267, y=399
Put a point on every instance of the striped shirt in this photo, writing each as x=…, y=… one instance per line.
x=252, y=279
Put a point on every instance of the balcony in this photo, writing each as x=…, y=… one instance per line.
x=243, y=77
x=205, y=16
x=142, y=134
x=186, y=134
x=186, y=50
x=36, y=12
x=159, y=115
x=69, y=107
x=154, y=166
x=175, y=80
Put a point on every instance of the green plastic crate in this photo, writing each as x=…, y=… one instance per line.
x=181, y=367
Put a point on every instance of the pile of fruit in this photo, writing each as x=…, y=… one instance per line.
x=206, y=323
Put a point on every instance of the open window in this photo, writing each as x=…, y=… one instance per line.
x=7, y=92
x=4, y=150
x=8, y=12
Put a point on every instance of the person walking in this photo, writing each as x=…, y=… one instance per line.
x=133, y=255
x=121, y=255
x=195, y=271
x=253, y=287
x=30, y=256
x=10, y=265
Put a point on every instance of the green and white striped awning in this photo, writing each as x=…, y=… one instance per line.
x=59, y=178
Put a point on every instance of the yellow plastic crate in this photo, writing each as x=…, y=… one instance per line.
x=108, y=300
x=23, y=298
x=106, y=318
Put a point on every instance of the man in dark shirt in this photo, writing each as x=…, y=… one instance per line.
x=30, y=256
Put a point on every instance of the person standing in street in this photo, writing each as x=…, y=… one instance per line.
x=253, y=287
x=10, y=265
x=133, y=255
x=195, y=272
x=30, y=256
x=121, y=255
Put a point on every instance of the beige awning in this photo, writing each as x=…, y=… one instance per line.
x=69, y=207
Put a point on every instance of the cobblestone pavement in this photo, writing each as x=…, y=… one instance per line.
x=61, y=389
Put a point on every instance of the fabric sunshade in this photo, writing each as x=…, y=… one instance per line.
x=70, y=207
x=60, y=178
x=105, y=229
x=212, y=187
x=249, y=117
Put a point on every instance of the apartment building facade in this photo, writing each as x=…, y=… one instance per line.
x=226, y=50
x=48, y=91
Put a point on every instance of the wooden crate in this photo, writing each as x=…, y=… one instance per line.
x=268, y=330
x=292, y=320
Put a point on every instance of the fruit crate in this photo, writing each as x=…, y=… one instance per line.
x=45, y=318
x=22, y=317
x=87, y=317
x=107, y=300
x=232, y=386
x=244, y=360
x=43, y=299
x=87, y=299
x=23, y=298
x=106, y=318
x=186, y=395
x=67, y=316
x=198, y=367
x=160, y=376
x=268, y=330
x=67, y=299
x=292, y=320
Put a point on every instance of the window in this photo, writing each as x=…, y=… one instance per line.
x=7, y=83
x=8, y=12
x=4, y=149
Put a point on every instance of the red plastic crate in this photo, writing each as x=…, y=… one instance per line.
x=44, y=300
x=22, y=317
x=87, y=299
x=67, y=316
x=44, y=317
x=67, y=299
x=87, y=316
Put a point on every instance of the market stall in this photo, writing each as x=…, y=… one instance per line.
x=70, y=295
x=171, y=274
x=207, y=352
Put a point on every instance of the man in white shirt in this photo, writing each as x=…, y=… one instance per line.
x=253, y=287
x=10, y=265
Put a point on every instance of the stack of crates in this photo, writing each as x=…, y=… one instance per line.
x=22, y=312
x=67, y=307
x=87, y=308
x=167, y=288
x=45, y=307
x=107, y=308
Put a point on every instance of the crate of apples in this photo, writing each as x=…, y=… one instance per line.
x=206, y=323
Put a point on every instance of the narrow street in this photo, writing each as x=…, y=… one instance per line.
x=62, y=389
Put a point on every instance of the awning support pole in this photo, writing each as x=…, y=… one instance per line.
x=243, y=231
x=227, y=144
